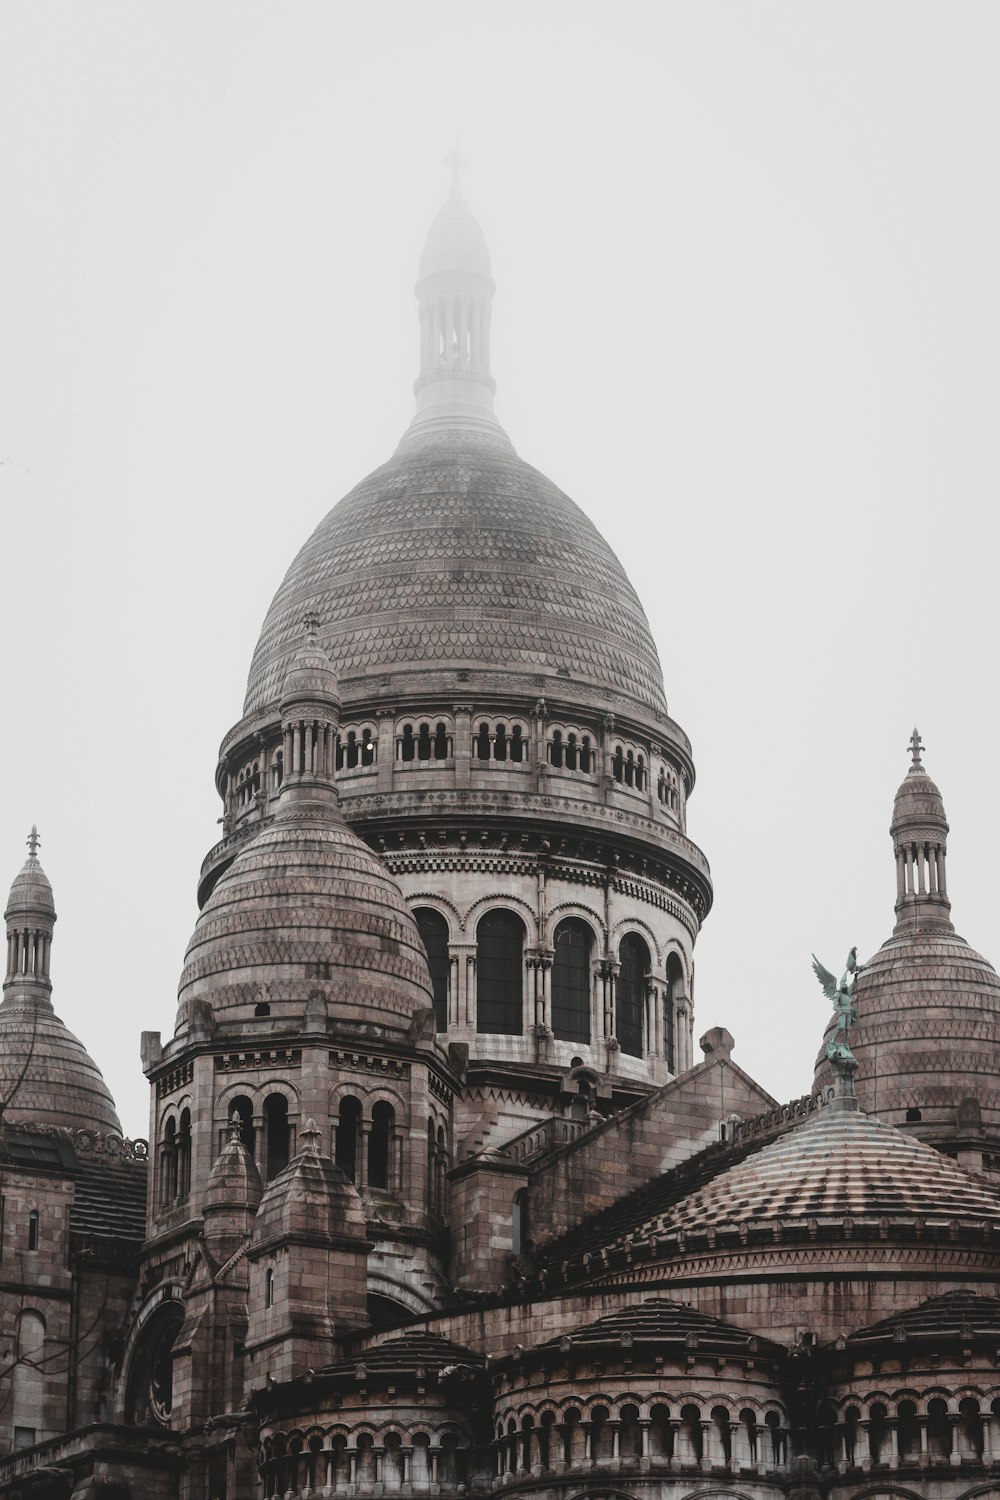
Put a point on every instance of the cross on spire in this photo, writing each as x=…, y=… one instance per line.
x=33, y=841
x=455, y=162
x=916, y=746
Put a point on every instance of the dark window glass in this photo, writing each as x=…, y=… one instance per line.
x=441, y=742
x=345, y=1142
x=618, y=764
x=276, y=1134
x=634, y=958
x=516, y=744
x=407, y=748
x=499, y=974
x=483, y=742
x=380, y=1145
x=434, y=930
x=500, y=743
x=571, y=982
x=424, y=742
x=675, y=978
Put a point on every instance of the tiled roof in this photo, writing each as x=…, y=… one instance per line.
x=406, y=1355
x=460, y=555
x=959, y=1314
x=658, y=1322
x=840, y=1164
x=110, y=1201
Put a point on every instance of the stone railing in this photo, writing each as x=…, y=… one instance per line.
x=542, y=1137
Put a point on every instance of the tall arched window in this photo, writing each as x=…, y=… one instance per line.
x=571, y=981
x=345, y=1141
x=433, y=930
x=277, y=1136
x=184, y=1154
x=634, y=958
x=675, y=984
x=168, y=1163
x=380, y=1145
x=500, y=974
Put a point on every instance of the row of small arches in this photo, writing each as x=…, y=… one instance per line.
x=686, y=1433
x=395, y=1462
x=911, y=1430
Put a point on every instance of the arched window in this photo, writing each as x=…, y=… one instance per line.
x=430, y=1162
x=441, y=742
x=500, y=974
x=381, y=1141
x=33, y=1230
x=353, y=750
x=500, y=743
x=640, y=774
x=516, y=743
x=634, y=958
x=424, y=742
x=618, y=764
x=269, y=1287
x=440, y=1168
x=367, y=747
x=675, y=985
x=408, y=746
x=345, y=1141
x=277, y=1136
x=483, y=742
x=571, y=753
x=556, y=749
x=168, y=1163
x=585, y=754
x=571, y=981
x=433, y=930
x=630, y=769
x=184, y=1154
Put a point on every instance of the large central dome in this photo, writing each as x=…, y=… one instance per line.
x=459, y=554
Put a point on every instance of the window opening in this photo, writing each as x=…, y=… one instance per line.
x=500, y=974
x=571, y=981
x=345, y=1146
x=276, y=1134
x=433, y=930
x=634, y=958
x=380, y=1144
x=424, y=743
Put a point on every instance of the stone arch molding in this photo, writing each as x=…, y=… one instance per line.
x=642, y=929
x=438, y=903
x=507, y=902
x=586, y=914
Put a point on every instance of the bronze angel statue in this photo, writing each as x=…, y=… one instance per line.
x=841, y=997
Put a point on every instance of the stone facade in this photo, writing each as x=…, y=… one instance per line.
x=437, y=1197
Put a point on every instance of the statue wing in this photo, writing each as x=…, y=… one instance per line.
x=826, y=979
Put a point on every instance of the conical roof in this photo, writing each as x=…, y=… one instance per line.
x=455, y=242
x=47, y=1076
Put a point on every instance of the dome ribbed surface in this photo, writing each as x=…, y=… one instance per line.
x=458, y=555
x=406, y=1355
x=307, y=892
x=31, y=891
x=657, y=1322
x=455, y=242
x=959, y=1314
x=928, y=1029
x=62, y=1085
x=840, y=1164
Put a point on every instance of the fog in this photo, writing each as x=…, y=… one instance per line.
x=747, y=316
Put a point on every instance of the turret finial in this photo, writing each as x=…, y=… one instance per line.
x=457, y=165
x=916, y=746
x=310, y=624
x=33, y=841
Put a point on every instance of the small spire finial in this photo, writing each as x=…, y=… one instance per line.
x=310, y=624
x=33, y=841
x=235, y=1127
x=455, y=162
x=310, y=1137
x=916, y=746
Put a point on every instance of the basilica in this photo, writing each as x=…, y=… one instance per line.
x=443, y=1192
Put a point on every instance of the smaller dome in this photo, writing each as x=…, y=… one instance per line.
x=31, y=891
x=310, y=676
x=455, y=242
x=234, y=1182
x=47, y=1076
x=918, y=804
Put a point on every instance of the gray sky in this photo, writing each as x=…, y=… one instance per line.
x=747, y=316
